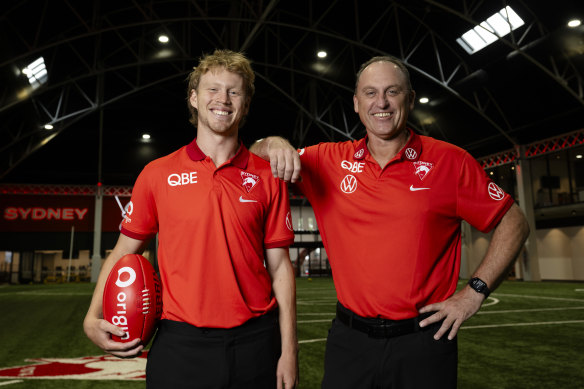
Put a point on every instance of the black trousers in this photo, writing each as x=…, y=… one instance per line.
x=183, y=356
x=412, y=361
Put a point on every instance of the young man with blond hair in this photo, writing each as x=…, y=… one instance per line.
x=229, y=313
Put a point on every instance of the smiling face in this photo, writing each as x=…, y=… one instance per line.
x=220, y=101
x=383, y=100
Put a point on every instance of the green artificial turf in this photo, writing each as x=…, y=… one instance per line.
x=527, y=335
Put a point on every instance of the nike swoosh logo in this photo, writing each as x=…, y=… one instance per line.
x=416, y=189
x=242, y=200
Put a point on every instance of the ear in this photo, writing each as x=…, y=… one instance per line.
x=193, y=98
x=355, y=104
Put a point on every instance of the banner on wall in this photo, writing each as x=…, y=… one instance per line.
x=53, y=213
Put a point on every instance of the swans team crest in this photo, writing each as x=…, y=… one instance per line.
x=249, y=180
x=422, y=168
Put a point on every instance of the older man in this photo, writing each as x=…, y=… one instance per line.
x=389, y=208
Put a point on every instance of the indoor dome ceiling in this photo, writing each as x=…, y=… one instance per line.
x=109, y=79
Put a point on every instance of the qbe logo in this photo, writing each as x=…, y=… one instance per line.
x=349, y=184
x=178, y=179
x=353, y=167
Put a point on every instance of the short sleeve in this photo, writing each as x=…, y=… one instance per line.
x=480, y=201
x=309, y=161
x=278, y=227
x=141, y=221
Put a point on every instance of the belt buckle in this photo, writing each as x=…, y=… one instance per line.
x=378, y=332
x=381, y=329
x=388, y=329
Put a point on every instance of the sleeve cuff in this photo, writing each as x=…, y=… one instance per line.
x=135, y=235
x=279, y=243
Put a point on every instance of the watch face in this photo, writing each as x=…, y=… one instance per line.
x=478, y=284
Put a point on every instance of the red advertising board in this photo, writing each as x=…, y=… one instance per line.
x=56, y=213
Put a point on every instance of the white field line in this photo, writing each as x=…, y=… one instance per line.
x=490, y=301
x=540, y=323
x=528, y=310
x=539, y=297
x=4, y=383
x=312, y=340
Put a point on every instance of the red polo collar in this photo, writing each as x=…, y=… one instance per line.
x=410, y=152
x=239, y=160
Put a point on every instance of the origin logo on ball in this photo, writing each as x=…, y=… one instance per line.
x=132, y=298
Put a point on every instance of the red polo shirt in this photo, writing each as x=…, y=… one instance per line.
x=214, y=224
x=393, y=234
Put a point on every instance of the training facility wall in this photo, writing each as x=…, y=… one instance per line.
x=560, y=252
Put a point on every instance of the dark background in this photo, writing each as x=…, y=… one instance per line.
x=110, y=80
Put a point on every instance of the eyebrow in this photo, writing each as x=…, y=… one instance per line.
x=398, y=86
x=220, y=84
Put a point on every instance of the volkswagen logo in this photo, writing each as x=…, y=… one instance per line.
x=349, y=184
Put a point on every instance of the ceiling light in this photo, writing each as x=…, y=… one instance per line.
x=574, y=23
x=163, y=39
x=321, y=54
x=36, y=72
x=48, y=126
x=145, y=136
x=579, y=156
x=424, y=100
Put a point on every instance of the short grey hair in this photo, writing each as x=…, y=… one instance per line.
x=385, y=58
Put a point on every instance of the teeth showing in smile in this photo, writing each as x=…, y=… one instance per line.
x=222, y=113
x=382, y=114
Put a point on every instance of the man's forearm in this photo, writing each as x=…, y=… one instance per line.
x=284, y=159
x=284, y=289
x=261, y=146
x=285, y=292
x=506, y=243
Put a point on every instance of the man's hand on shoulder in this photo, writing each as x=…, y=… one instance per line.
x=284, y=158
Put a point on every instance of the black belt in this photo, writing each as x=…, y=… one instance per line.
x=377, y=327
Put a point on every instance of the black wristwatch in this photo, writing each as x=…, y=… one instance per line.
x=480, y=286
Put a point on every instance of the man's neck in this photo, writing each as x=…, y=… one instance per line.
x=384, y=150
x=218, y=147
